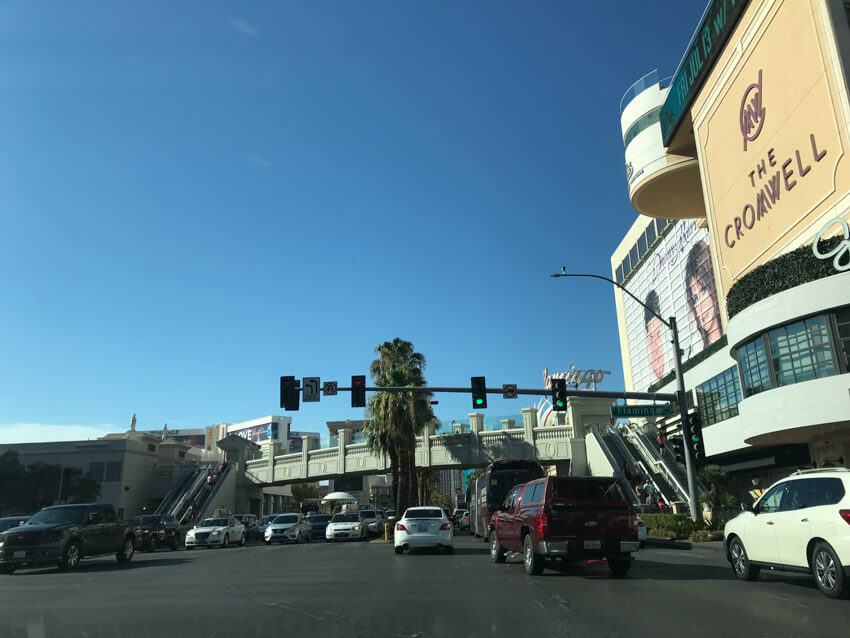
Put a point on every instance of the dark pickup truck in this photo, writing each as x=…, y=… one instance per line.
x=570, y=518
x=64, y=534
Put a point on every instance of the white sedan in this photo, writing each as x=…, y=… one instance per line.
x=216, y=532
x=424, y=527
x=346, y=526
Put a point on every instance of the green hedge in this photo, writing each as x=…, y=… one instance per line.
x=792, y=269
x=679, y=524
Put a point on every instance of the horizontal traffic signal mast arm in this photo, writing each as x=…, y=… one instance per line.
x=603, y=394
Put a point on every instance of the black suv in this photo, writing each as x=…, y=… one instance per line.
x=64, y=534
x=157, y=530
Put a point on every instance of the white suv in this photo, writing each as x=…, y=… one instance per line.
x=802, y=523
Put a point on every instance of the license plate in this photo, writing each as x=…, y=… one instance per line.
x=422, y=529
x=593, y=544
x=19, y=555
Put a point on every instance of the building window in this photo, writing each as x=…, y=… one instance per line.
x=113, y=471
x=633, y=256
x=842, y=320
x=642, y=246
x=801, y=351
x=650, y=234
x=96, y=470
x=719, y=397
x=641, y=125
x=151, y=448
x=752, y=360
x=181, y=454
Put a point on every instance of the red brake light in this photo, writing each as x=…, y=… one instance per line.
x=400, y=528
x=446, y=526
x=845, y=514
x=542, y=522
x=641, y=524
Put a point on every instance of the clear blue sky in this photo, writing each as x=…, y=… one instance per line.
x=199, y=197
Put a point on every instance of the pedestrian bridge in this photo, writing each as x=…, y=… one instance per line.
x=562, y=444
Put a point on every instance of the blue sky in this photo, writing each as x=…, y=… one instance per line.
x=200, y=197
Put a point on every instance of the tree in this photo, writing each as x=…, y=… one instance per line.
x=27, y=489
x=395, y=418
x=302, y=491
x=471, y=478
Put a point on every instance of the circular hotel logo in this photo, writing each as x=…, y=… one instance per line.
x=751, y=116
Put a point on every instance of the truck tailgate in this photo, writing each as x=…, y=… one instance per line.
x=591, y=521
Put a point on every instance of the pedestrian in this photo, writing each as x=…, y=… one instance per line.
x=209, y=481
x=661, y=442
x=223, y=465
x=648, y=491
x=627, y=472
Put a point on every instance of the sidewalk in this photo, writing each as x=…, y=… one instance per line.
x=687, y=545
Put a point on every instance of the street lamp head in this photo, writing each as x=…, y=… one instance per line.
x=560, y=274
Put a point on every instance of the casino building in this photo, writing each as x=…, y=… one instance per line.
x=739, y=170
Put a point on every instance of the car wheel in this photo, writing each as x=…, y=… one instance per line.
x=225, y=542
x=268, y=542
x=497, y=554
x=399, y=550
x=242, y=541
x=744, y=570
x=7, y=569
x=828, y=572
x=532, y=560
x=449, y=549
x=189, y=548
x=71, y=556
x=153, y=544
x=128, y=548
x=619, y=566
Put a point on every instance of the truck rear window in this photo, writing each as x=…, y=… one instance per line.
x=571, y=490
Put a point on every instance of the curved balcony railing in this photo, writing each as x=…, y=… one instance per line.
x=641, y=85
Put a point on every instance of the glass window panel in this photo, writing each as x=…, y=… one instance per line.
x=650, y=234
x=619, y=275
x=633, y=256
x=641, y=245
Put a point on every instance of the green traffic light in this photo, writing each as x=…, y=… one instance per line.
x=560, y=404
x=479, y=401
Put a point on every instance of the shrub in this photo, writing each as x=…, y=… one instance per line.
x=700, y=536
x=680, y=524
x=660, y=532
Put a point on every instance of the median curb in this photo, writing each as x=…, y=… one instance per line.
x=665, y=544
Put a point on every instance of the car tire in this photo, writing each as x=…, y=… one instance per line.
x=532, y=561
x=399, y=550
x=449, y=549
x=7, y=569
x=619, y=566
x=189, y=548
x=153, y=544
x=497, y=552
x=267, y=542
x=828, y=572
x=225, y=542
x=741, y=566
x=128, y=548
x=242, y=541
x=70, y=556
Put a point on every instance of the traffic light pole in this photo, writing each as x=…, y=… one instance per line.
x=597, y=394
x=690, y=465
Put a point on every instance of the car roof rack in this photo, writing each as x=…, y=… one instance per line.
x=821, y=469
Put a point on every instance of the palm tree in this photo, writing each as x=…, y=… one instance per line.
x=395, y=418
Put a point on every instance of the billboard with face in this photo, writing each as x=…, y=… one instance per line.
x=676, y=278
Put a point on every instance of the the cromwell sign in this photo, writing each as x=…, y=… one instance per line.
x=770, y=144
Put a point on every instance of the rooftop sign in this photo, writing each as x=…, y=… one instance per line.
x=707, y=43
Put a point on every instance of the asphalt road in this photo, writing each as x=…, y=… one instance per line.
x=361, y=589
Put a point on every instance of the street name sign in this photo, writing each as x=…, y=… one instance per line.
x=659, y=409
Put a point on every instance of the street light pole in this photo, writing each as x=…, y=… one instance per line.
x=690, y=468
x=61, y=476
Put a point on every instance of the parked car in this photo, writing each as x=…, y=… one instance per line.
x=9, y=522
x=216, y=532
x=573, y=518
x=374, y=522
x=252, y=530
x=802, y=524
x=389, y=514
x=460, y=519
x=422, y=527
x=288, y=528
x=157, y=530
x=65, y=534
x=345, y=527
x=318, y=524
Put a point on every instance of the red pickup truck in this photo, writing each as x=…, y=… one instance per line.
x=573, y=518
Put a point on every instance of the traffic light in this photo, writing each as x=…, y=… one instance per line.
x=289, y=394
x=697, y=442
x=678, y=447
x=559, y=395
x=358, y=391
x=479, y=393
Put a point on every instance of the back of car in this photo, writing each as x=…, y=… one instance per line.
x=370, y=519
x=586, y=518
x=423, y=527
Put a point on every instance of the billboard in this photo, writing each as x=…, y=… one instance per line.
x=677, y=278
x=258, y=433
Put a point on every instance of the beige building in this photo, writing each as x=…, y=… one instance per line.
x=737, y=168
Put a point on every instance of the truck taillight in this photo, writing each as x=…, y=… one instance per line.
x=400, y=528
x=845, y=514
x=542, y=522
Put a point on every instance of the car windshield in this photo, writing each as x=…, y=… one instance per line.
x=147, y=520
x=423, y=513
x=368, y=514
x=214, y=522
x=52, y=515
x=320, y=518
x=345, y=518
x=289, y=518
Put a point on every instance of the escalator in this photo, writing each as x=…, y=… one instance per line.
x=204, y=499
x=615, y=458
x=177, y=501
